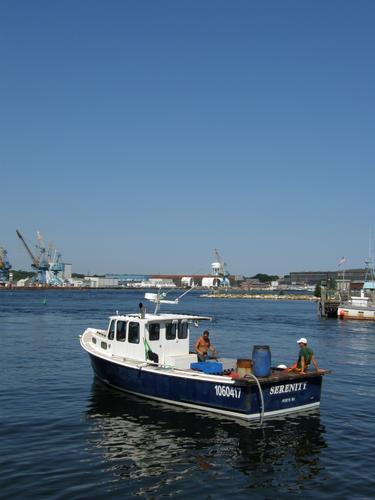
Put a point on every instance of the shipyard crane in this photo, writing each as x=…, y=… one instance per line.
x=219, y=265
x=56, y=267
x=219, y=269
x=51, y=258
x=39, y=263
x=4, y=266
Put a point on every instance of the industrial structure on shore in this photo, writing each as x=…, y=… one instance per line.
x=5, y=274
x=50, y=271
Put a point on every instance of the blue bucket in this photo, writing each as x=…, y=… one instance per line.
x=261, y=360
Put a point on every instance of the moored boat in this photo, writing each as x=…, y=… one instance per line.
x=362, y=306
x=147, y=354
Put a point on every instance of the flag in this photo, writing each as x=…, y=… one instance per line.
x=152, y=356
x=342, y=261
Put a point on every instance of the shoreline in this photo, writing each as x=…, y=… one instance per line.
x=207, y=295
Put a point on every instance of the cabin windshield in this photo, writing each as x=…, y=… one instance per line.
x=121, y=331
x=111, y=330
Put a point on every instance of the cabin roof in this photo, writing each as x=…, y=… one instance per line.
x=148, y=317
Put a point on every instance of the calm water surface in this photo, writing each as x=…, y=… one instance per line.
x=64, y=435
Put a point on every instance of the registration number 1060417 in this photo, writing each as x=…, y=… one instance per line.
x=227, y=391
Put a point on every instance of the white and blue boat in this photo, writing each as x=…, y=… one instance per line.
x=147, y=354
x=363, y=306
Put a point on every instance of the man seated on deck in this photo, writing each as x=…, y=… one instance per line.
x=203, y=345
x=305, y=357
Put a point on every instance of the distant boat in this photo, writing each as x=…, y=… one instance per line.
x=147, y=354
x=362, y=306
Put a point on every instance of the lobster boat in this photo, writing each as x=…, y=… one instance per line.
x=148, y=355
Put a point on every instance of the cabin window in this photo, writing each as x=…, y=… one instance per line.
x=154, y=331
x=133, y=334
x=103, y=345
x=111, y=333
x=170, y=331
x=121, y=331
x=182, y=330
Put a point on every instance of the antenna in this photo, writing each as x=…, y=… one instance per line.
x=369, y=244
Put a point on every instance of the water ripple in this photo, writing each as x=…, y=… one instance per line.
x=64, y=435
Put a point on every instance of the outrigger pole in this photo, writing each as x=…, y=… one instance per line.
x=158, y=298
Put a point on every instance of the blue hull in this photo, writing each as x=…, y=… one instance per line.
x=241, y=399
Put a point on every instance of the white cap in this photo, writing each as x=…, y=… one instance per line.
x=302, y=340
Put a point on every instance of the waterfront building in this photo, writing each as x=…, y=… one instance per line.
x=100, y=282
x=316, y=277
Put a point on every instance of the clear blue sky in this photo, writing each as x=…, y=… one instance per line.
x=140, y=135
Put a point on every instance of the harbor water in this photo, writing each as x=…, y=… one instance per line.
x=65, y=435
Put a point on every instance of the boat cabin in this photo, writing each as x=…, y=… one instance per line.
x=362, y=301
x=157, y=338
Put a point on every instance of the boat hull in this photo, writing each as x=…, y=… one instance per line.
x=367, y=314
x=238, y=398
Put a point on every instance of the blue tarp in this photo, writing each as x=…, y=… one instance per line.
x=212, y=367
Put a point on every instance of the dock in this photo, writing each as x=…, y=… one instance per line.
x=328, y=303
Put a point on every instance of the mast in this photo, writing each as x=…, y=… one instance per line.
x=370, y=272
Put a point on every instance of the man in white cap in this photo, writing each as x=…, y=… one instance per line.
x=305, y=357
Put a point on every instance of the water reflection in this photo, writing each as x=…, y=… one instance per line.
x=141, y=439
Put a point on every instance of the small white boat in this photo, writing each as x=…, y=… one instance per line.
x=148, y=355
x=362, y=306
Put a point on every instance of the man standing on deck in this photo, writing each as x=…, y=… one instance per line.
x=305, y=357
x=203, y=345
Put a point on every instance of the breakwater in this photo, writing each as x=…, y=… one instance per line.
x=260, y=296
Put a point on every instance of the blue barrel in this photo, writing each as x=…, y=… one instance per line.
x=261, y=360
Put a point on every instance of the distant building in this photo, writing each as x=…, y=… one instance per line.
x=67, y=271
x=128, y=279
x=187, y=281
x=200, y=280
x=252, y=284
x=315, y=277
x=98, y=282
x=162, y=283
x=25, y=282
x=210, y=282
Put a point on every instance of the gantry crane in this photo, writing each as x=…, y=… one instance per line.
x=4, y=266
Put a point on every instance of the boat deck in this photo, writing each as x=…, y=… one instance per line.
x=277, y=375
x=229, y=365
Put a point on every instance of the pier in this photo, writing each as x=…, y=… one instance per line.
x=328, y=303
